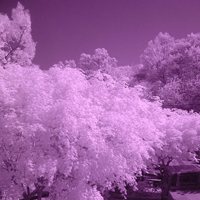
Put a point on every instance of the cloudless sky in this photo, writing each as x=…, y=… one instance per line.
x=63, y=29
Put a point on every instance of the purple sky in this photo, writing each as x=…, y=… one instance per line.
x=63, y=29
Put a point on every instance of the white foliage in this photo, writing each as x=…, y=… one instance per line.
x=16, y=43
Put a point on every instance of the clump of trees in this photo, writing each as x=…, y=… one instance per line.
x=171, y=69
x=77, y=134
x=77, y=130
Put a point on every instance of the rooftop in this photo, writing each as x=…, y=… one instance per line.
x=183, y=169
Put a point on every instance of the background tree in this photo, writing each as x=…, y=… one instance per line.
x=156, y=59
x=171, y=68
x=100, y=60
x=16, y=43
x=70, y=63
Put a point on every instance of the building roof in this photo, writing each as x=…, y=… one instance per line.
x=183, y=169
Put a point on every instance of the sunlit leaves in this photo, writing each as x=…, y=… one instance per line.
x=71, y=129
x=16, y=43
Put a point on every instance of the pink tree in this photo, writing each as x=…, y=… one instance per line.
x=16, y=43
x=75, y=133
x=82, y=135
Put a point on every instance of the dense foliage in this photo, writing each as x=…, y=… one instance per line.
x=16, y=43
x=171, y=68
x=73, y=132
x=78, y=130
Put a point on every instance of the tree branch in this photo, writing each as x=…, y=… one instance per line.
x=17, y=45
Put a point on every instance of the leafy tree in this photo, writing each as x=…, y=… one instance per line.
x=72, y=132
x=171, y=69
x=70, y=63
x=100, y=60
x=181, y=138
x=77, y=136
x=102, y=63
x=16, y=43
x=182, y=95
x=156, y=59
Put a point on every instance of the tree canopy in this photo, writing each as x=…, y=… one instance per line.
x=172, y=68
x=71, y=131
x=78, y=130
